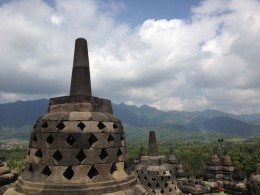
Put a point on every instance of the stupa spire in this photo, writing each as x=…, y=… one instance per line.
x=153, y=150
x=80, y=79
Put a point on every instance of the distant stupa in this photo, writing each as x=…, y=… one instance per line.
x=155, y=173
x=78, y=147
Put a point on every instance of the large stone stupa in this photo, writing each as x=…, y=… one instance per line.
x=78, y=147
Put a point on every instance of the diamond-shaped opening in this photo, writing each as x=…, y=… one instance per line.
x=162, y=191
x=164, y=172
x=30, y=168
x=153, y=191
x=101, y=125
x=46, y=171
x=153, y=178
x=149, y=184
x=115, y=126
x=166, y=185
x=70, y=140
x=170, y=190
x=39, y=153
x=35, y=138
x=57, y=156
x=145, y=178
x=92, y=172
x=92, y=139
x=45, y=124
x=81, y=156
x=103, y=154
x=60, y=126
x=113, y=168
x=169, y=177
x=49, y=139
x=69, y=173
x=28, y=152
x=119, y=153
x=81, y=126
x=157, y=185
x=162, y=178
x=110, y=138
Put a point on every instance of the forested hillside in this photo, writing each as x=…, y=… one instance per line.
x=17, y=119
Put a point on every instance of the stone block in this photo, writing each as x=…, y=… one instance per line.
x=55, y=116
x=120, y=172
x=80, y=116
x=103, y=172
x=91, y=127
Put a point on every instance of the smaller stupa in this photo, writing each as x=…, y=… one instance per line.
x=7, y=175
x=213, y=169
x=155, y=173
x=254, y=182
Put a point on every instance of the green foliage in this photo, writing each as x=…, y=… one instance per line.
x=192, y=149
x=194, y=155
x=15, y=157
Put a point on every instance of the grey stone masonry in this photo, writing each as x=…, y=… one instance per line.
x=78, y=146
x=152, y=150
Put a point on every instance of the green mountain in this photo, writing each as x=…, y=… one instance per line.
x=16, y=120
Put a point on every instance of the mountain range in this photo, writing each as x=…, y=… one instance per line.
x=22, y=114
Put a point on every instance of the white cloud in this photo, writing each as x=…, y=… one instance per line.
x=211, y=61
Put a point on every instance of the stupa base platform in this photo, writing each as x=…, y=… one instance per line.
x=128, y=186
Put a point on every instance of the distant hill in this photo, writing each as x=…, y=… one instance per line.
x=21, y=113
x=14, y=117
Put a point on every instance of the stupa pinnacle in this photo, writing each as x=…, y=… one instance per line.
x=78, y=146
x=152, y=150
x=80, y=79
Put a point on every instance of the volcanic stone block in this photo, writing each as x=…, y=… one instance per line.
x=71, y=127
x=152, y=150
x=80, y=116
x=91, y=127
x=119, y=173
x=78, y=146
x=55, y=116
x=103, y=172
x=93, y=156
x=101, y=140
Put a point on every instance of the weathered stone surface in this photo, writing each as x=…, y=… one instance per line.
x=7, y=175
x=78, y=147
x=155, y=173
x=80, y=79
x=152, y=150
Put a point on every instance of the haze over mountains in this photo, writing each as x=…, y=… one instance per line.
x=22, y=115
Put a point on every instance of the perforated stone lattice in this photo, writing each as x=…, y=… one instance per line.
x=49, y=139
x=81, y=156
x=93, y=172
x=158, y=182
x=57, y=156
x=98, y=142
x=69, y=173
x=70, y=140
x=46, y=171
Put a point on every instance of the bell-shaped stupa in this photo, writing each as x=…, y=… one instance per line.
x=78, y=147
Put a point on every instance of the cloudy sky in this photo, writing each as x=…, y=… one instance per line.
x=170, y=54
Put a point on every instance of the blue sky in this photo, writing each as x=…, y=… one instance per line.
x=173, y=55
x=137, y=11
